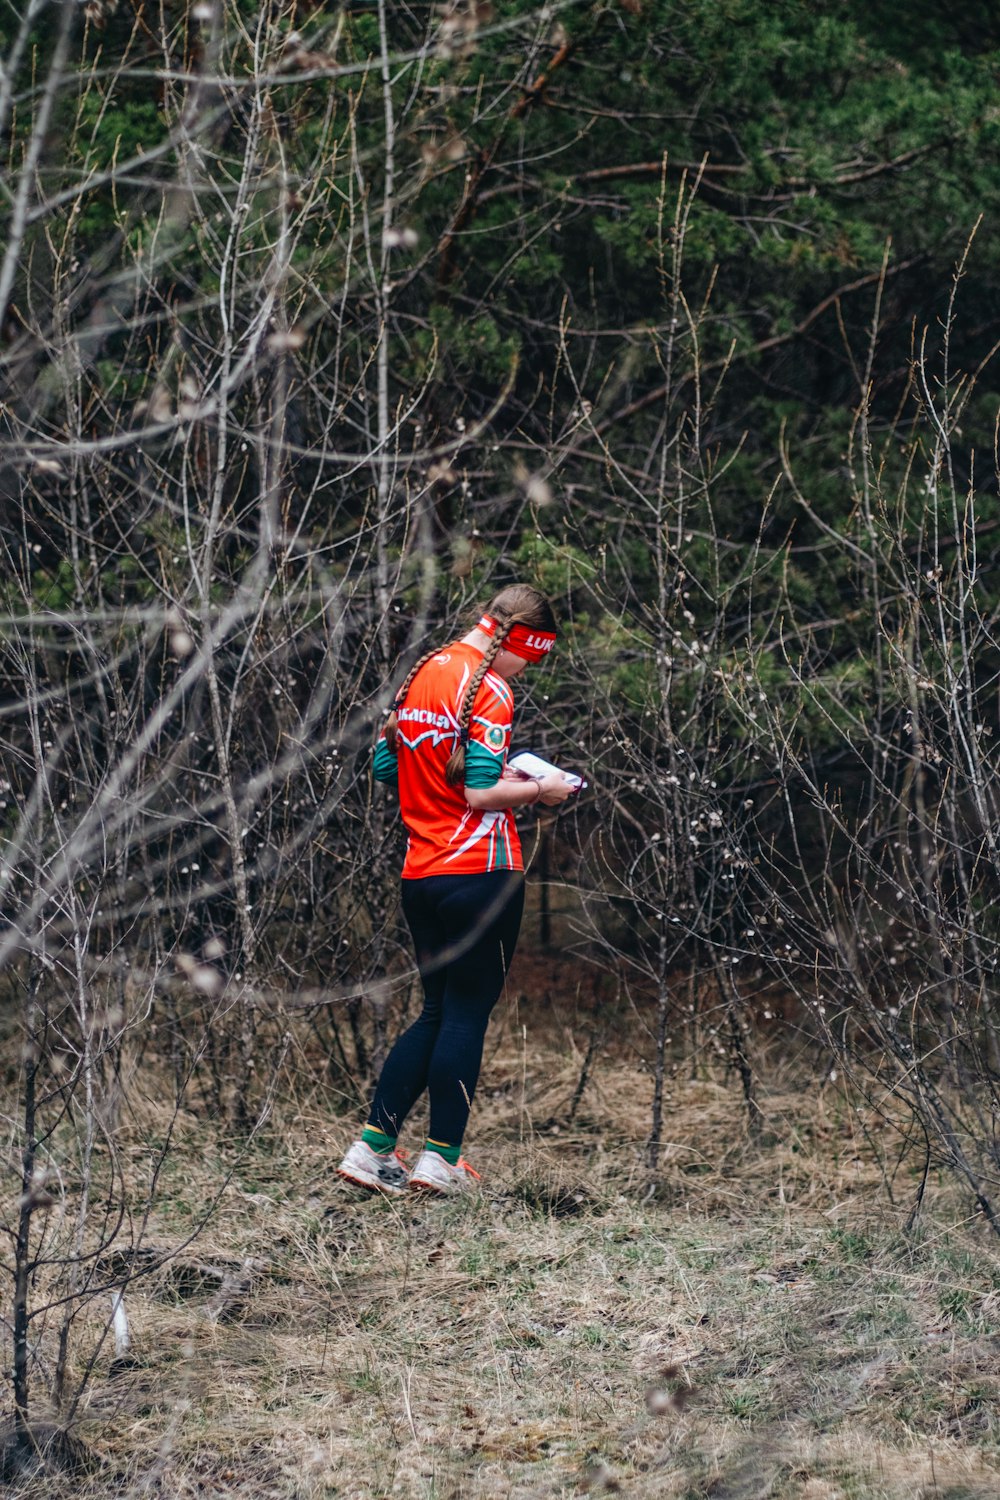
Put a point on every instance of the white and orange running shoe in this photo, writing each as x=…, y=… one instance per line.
x=366, y=1168
x=435, y=1175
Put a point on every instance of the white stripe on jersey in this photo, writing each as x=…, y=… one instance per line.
x=501, y=689
x=484, y=826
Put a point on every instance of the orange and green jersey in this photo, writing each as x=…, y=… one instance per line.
x=447, y=836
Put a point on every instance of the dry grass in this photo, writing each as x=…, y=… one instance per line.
x=748, y=1324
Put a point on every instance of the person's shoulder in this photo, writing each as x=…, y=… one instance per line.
x=449, y=660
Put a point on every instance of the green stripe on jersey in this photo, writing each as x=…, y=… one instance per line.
x=500, y=860
x=482, y=769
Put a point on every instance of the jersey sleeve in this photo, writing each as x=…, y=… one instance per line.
x=489, y=732
x=384, y=763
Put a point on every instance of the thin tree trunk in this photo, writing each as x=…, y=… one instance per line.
x=739, y=1041
x=662, y=1012
x=22, y=1245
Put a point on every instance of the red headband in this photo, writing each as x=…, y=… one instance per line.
x=522, y=640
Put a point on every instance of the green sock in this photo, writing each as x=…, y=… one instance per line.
x=381, y=1144
x=450, y=1153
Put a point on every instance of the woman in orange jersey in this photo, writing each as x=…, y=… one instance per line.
x=445, y=745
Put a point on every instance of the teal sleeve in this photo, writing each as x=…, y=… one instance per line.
x=481, y=768
x=384, y=763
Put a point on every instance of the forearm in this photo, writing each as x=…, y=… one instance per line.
x=508, y=792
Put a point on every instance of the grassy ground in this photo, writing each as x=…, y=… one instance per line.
x=745, y=1324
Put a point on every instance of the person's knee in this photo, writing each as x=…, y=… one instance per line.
x=473, y=990
x=430, y=1016
x=466, y=1018
x=461, y=1034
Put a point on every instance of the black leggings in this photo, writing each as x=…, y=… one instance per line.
x=464, y=930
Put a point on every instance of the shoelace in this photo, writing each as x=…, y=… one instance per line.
x=392, y=1170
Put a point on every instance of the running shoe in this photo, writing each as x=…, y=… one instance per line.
x=366, y=1168
x=433, y=1174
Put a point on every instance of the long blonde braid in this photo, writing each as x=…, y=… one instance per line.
x=390, y=730
x=518, y=604
x=454, y=771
